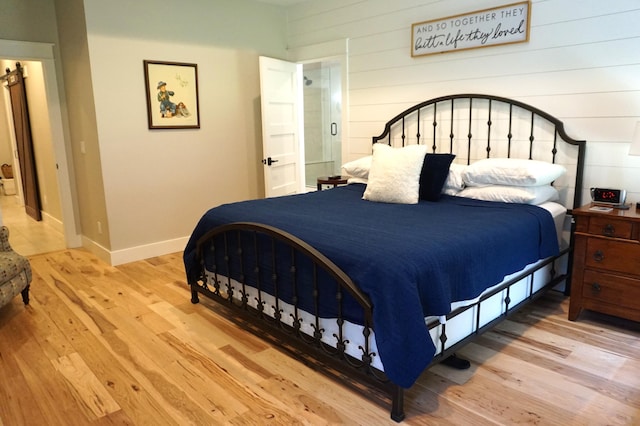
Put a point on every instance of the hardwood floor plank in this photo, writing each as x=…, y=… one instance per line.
x=48, y=390
x=313, y=409
x=16, y=405
x=591, y=379
x=235, y=381
x=78, y=327
x=544, y=383
x=353, y=410
x=92, y=397
x=220, y=331
x=479, y=397
x=103, y=345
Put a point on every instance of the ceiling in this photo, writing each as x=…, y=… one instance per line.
x=283, y=2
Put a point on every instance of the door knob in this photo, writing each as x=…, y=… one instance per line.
x=268, y=161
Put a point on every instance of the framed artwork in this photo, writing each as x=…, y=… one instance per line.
x=488, y=27
x=172, y=95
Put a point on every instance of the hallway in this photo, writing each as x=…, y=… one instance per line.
x=26, y=235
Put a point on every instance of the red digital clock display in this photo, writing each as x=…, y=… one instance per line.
x=608, y=195
x=612, y=196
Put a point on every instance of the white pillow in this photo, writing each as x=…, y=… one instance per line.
x=358, y=168
x=395, y=174
x=511, y=171
x=357, y=180
x=454, y=182
x=512, y=194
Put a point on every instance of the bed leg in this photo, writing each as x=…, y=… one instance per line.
x=194, y=296
x=456, y=362
x=397, y=408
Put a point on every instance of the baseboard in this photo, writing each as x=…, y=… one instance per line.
x=146, y=251
x=118, y=257
x=95, y=248
x=53, y=222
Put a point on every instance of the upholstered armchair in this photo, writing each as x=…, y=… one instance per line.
x=15, y=271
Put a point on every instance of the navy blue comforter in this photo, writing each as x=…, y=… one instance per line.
x=411, y=260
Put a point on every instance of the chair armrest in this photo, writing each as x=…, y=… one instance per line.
x=4, y=239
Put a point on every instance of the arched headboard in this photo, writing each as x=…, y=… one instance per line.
x=476, y=126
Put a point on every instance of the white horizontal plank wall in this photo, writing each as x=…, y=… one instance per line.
x=581, y=64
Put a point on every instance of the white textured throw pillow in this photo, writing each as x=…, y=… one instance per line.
x=395, y=174
x=511, y=171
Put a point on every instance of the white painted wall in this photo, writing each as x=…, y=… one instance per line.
x=157, y=183
x=581, y=64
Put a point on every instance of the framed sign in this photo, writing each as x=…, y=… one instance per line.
x=488, y=27
x=172, y=95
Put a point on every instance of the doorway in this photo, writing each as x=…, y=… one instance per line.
x=42, y=55
x=322, y=92
x=33, y=228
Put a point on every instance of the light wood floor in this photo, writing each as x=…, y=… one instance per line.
x=26, y=235
x=102, y=345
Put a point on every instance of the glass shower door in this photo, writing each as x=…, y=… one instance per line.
x=322, y=91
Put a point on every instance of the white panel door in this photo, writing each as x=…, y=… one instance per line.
x=281, y=136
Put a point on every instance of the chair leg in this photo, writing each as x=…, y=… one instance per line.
x=25, y=295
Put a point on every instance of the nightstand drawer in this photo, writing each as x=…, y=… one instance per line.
x=610, y=227
x=604, y=287
x=606, y=262
x=612, y=255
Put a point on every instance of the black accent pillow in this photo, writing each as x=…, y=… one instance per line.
x=435, y=170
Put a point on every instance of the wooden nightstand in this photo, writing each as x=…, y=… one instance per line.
x=606, y=263
x=331, y=180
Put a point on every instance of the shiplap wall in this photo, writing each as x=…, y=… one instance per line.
x=581, y=64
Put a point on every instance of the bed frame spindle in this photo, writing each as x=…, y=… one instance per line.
x=510, y=134
x=434, y=147
x=469, y=135
x=451, y=135
x=418, y=130
x=489, y=123
x=531, y=137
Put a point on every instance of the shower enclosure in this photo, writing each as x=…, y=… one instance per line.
x=322, y=92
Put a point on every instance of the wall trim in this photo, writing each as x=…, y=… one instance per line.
x=134, y=254
x=100, y=251
x=53, y=222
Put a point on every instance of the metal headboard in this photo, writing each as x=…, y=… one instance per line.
x=475, y=126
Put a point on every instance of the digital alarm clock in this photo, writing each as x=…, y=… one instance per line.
x=609, y=197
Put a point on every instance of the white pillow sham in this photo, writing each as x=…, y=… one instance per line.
x=454, y=182
x=395, y=174
x=357, y=180
x=511, y=194
x=358, y=168
x=511, y=171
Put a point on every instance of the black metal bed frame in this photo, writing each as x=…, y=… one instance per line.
x=268, y=321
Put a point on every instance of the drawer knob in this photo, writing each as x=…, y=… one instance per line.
x=598, y=256
x=609, y=230
x=595, y=287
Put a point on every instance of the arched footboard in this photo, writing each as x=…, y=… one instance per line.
x=276, y=281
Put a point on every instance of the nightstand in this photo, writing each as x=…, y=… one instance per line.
x=331, y=180
x=606, y=263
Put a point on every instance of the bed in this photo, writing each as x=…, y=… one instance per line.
x=372, y=285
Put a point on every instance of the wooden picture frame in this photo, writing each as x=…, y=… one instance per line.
x=172, y=95
x=495, y=26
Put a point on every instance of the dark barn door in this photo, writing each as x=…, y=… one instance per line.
x=24, y=143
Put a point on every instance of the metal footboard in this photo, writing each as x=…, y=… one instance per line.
x=232, y=259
